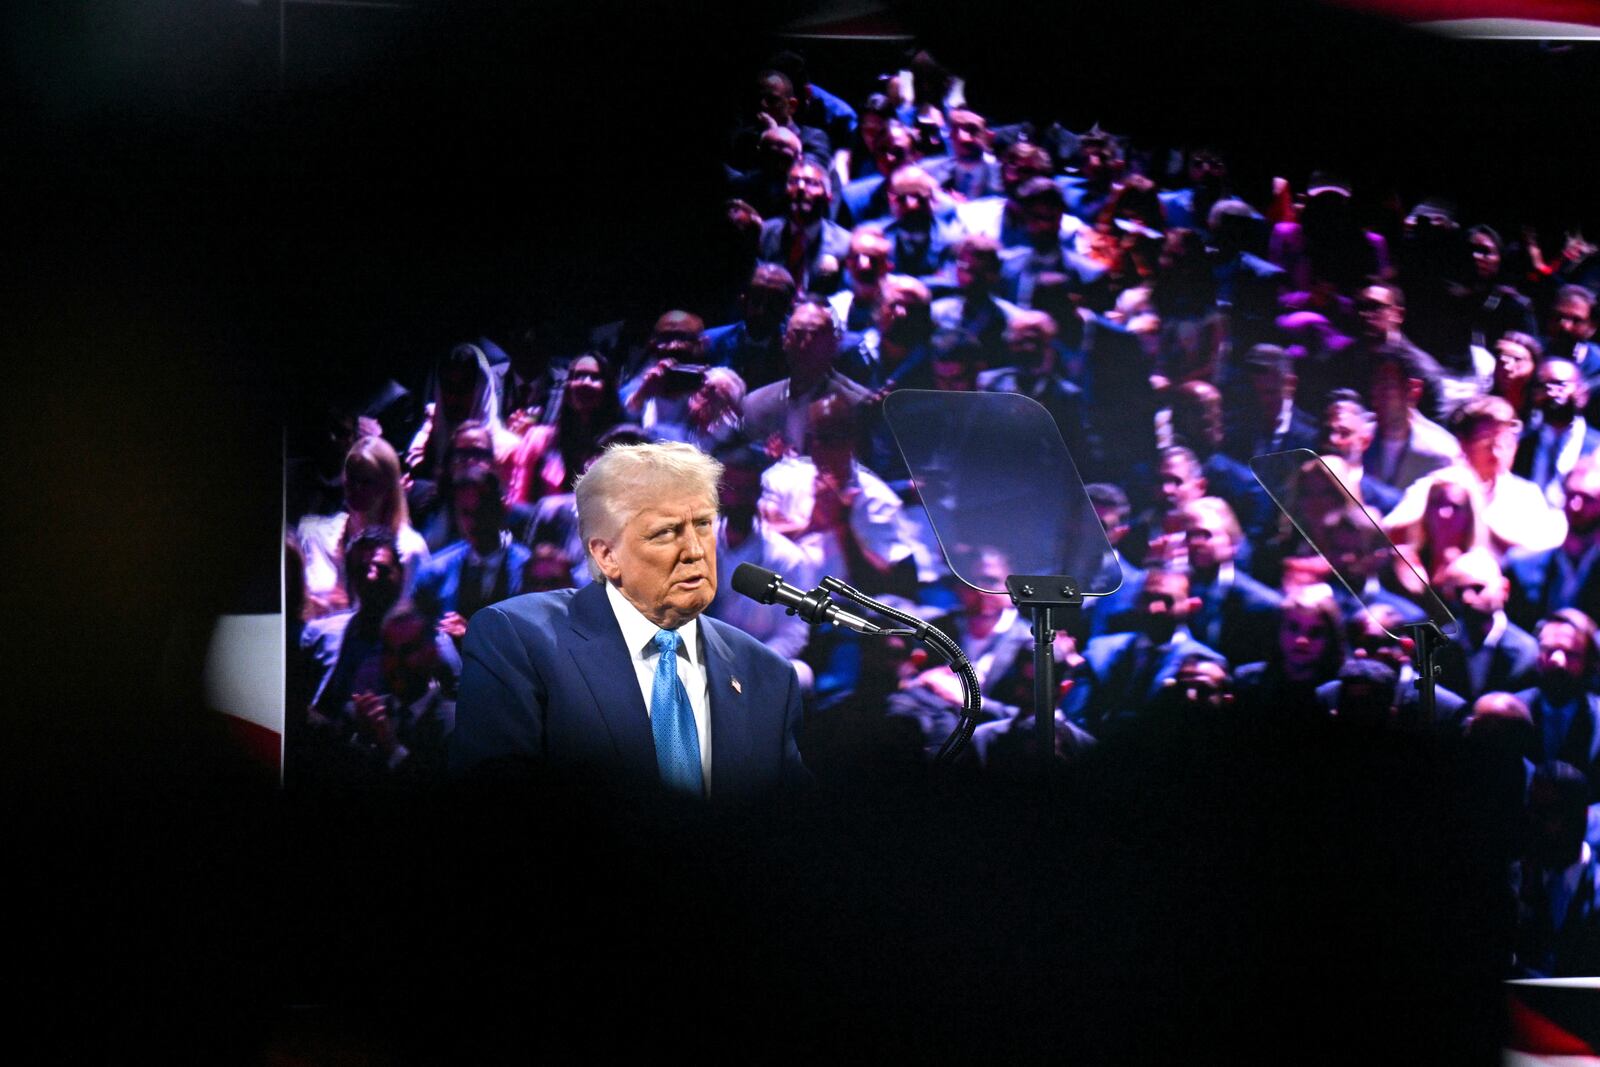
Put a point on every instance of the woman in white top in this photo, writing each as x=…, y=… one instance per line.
x=374, y=496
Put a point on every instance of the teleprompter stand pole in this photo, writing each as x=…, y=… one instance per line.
x=1052, y=598
x=1425, y=638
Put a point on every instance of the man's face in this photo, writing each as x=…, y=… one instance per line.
x=664, y=559
x=1163, y=602
x=1180, y=482
x=1015, y=172
x=1099, y=162
x=478, y=514
x=1569, y=320
x=1512, y=362
x=1029, y=345
x=894, y=151
x=1390, y=396
x=766, y=303
x=1491, y=448
x=898, y=312
x=378, y=578
x=1207, y=169
x=1562, y=658
x=1269, y=386
x=1380, y=314
x=976, y=270
x=1556, y=390
x=776, y=99
x=1475, y=591
x=410, y=658
x=808, y=192
x=808, y=342
x=1209, y=542
x=1041, y=220
x=1485, y=256
x=911, y=198
x=1303, y=636
x=969, y=138
x=868, y=263
x=1348, y=433
x=1583, y=500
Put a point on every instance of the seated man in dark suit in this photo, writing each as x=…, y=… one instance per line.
x=1268, y=419
x=973, y=308
x=1569, y=574
x=1372, y=639
x=969, y=172
x=753, y=346
x=1557, y=880
x=396, y=732
x=1123, y=673
x=625, y=678
x=1557, y=436
x=1047, y=252
x=1347, y=431
x=811, y=349
x=805, y=241
x=1407, y=445
x=1003, y=216
x=775, y=105
x=1238, y=616
x=484, y=567
x=1566, y=711
x=867, y=197
x=923, y=242
x=1489, y=652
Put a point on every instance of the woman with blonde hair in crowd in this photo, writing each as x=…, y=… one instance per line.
x=374, y=495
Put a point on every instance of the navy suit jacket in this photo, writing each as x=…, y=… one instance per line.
x=438, y=588
x=1536, y=586
x=1105, y=690
x=547, y=678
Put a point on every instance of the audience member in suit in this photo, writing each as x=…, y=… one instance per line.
x=1557, y=880
x=1565, y=708
x=1198, y=424
x=1516, y=512
x=870, y=261
x=765, y=186
x=1047, y=252
x=1489, y=652
x=805, y=241
x=1237, y=615
x=775, y=105
x=1569, y=574
x=1158, y=538
x=1305, y=653
x=923, y=243
x=969, y=172
x=1190, y=207
x=753, y=346
x=1003, y=217
x=484, y=567
x=1381, y=307
x=867, y=197
x=1247, y=285
x=743, y=536
x=1371, y=636
x=1558, y=435
x=817, y=107
x=1347, y=432
x=973, y=308
x=1267, y=419
x=811, y=349
x=896, y=354
x=1123, y=673
x=1121, y=585
x=1569, y=333
x=1408, y=445
x=396, y=732
x=1034, y=370
x=1101, y=162
x=341, y=653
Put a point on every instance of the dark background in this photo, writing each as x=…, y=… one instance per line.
x=203, y=223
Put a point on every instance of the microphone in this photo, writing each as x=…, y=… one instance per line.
x=764, y=586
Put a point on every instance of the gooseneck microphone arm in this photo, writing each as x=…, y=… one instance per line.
x=940, y=642
x=816, y=606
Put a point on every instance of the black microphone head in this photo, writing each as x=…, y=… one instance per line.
x=757, y=583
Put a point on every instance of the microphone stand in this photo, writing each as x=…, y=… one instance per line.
x=940, y=642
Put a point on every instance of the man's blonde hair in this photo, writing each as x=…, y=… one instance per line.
x=625, y=478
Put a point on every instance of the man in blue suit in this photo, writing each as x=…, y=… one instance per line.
x=1122, y=673
x=625, y=679
x=485, y=566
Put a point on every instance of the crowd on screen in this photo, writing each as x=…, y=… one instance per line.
x=1173, y=330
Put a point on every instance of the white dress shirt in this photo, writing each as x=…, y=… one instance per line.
x=639, y=634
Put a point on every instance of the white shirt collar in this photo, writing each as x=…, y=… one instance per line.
x=639, y=633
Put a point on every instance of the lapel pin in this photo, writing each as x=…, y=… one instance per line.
x=737, y=688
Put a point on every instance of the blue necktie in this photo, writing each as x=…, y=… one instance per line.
x=672, y=720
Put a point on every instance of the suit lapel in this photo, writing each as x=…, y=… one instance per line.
x=607, y=666
x=730, y=722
